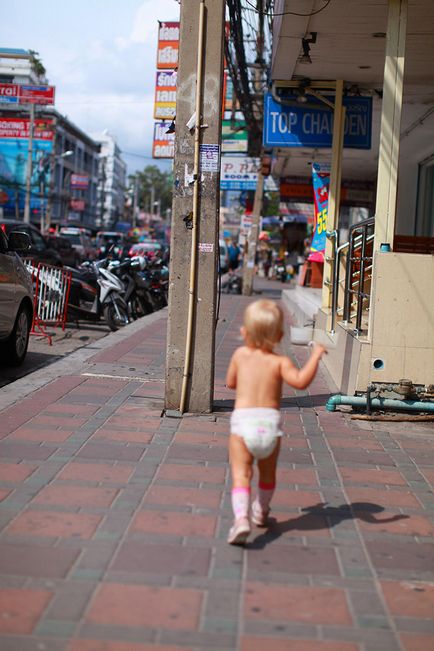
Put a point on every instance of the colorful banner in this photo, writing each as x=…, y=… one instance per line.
x=165, y=95
x=168, y=45
x=321, y=182
x=25, y=94
x=13, y=163
x=164, y=143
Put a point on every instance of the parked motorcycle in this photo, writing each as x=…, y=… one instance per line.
x=146, y=282
x=97, y=293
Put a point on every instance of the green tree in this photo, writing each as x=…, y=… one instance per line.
x=153, y=185
x=37, y=64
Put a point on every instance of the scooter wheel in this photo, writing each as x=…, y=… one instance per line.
x=115, y=318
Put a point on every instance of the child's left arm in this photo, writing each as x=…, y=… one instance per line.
x=231, y=375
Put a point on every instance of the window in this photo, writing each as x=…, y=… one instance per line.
x=425, y=199
x=38, y=242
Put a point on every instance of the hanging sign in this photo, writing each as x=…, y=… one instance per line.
x=321, y=183
x=297, y=125
x=239, y=173
x=165, y=95
x=164, y=143
x=168, y=45
x=234, y=137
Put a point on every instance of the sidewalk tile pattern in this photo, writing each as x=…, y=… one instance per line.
x=113, y=518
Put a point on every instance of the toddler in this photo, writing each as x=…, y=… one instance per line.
x=257, y=373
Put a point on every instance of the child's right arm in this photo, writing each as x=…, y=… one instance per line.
x=300, y=378
x=231, y=375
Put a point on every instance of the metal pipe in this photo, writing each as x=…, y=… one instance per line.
x=194, y=238
x=379, y=403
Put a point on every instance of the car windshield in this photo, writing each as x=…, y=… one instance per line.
x=74, y=238
x=108, y=237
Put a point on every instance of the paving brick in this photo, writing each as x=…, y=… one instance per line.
x=372, y=476
x=97, y=472
x=405, y=557
x=111, y=451
x=123, y=436
x=417, y=641
x=203, y=497
x=40, y=435
x=296, y=498
x=106, y=645
x=164, y=559
x=409, y=599
x=249, y=643
x=188, y=472
x=37, y=561
x=143, y=606
x=297, y=559
x=15, y=472
x=82, y=496
x=296, y=603
x=299, y=476
x=403, y=498
x=199, y=453
x=20, y=609
x=410, y=525
x=173, y=523
x=51, y=523
x=26, y=451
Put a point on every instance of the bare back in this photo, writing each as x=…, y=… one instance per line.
x=256, y=375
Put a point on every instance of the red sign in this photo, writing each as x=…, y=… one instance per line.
x=168, y=45
x=78, y=205
x=20, y=128
x=26, y=94
x=79, y=181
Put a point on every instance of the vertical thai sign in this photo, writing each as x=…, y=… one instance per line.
x=165, y=95
x=168, y=45
x=321, y=182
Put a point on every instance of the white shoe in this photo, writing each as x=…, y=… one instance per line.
x=239, y=531
x=259, y=516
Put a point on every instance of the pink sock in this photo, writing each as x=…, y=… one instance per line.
x=265, y=493
x=240, y=502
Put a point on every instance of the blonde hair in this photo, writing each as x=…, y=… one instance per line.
x=263, y=322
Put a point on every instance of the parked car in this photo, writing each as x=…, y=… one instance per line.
x=81, y=242
x=63, y=246
x=104, y=239
x=40, y=250
x=16, y=298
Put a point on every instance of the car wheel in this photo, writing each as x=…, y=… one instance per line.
x=16, y=346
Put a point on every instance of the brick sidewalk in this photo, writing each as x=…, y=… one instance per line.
x=114, y=519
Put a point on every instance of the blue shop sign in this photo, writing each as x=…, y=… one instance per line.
x=312, y=126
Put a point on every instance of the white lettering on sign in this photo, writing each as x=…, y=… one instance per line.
x=166, y=79
x=356, y=125
x=283, y=122
x=167, y=33
x=168, y=55
x=165, y=96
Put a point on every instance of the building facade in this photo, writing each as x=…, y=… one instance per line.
x=111, y=182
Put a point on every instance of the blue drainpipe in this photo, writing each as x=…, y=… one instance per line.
x=379, y=403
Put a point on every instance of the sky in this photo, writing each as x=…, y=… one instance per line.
x=100, y=55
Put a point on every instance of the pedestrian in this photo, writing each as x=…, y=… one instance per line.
x=234, y=256
x=257, y=373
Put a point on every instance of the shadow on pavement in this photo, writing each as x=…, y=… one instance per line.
x=321, y=516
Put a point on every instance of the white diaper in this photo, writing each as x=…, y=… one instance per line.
x=259, y=428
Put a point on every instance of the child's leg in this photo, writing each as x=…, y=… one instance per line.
x=242, y=469
x=266, y=485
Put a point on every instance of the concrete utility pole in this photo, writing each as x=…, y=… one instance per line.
x=252, y=238
x=29, y=168
x=195, y=213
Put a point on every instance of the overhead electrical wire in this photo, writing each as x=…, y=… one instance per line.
x=289, y=13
